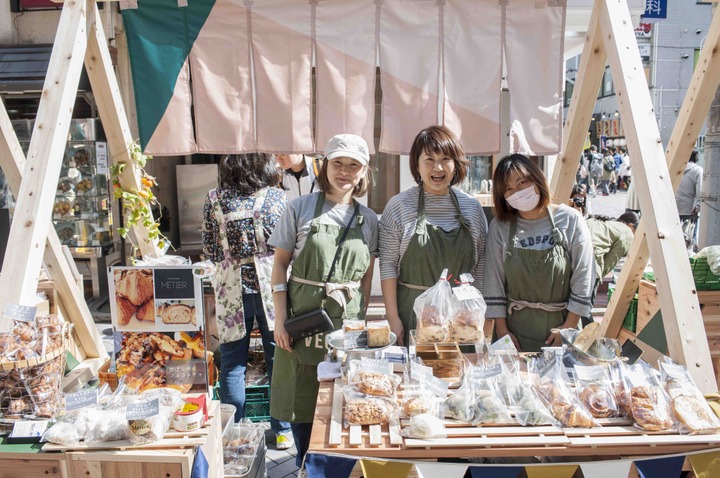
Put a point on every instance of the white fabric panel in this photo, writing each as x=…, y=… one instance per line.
x=345, y=52
x=409, y=66
x=614, y=469
x=534, y=35
x=472, y=64
x=281, y=47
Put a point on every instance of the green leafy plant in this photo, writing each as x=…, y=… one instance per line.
x=137, y=203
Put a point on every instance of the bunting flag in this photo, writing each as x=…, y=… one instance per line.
x=669, y=467
x=385, y=469
x=326, y=466
x=706, y=465
x=440, y=470
x=555, y=471
x=495, y=471
x=607, y=469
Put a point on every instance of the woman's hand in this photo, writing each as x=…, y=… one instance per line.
x=282, y=338
x=554, y=340
x=397, y=328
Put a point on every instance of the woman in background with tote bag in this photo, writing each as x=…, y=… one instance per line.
x=318, y=233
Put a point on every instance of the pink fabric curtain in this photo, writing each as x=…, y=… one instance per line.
x=472, y=71
x=281, y=49
x=345, y=52
x=409, y=70
x=220, y=65
x=534, y=35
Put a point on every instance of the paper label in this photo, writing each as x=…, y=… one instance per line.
x=544, y=364
x=374, y=365
x=674, y=371
x=183, y=372
x=503, y=346
x=466, y=292
x=355, y=340
x=27, y=428
x=419, y=372
x=102, y=157
x=81, y=399
x=481, y=373
x=436, y=386
x=589, y=372
x=21, y=313
x=140, y=410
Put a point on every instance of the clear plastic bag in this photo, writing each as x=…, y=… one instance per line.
x=372, y=378
x=510, y=383
x=594, y=388
x=107, y=425
x=361, y=409
x=488, y=403
x=467, y=316
x=460, y=405
x=618, y=370
x=688, y=404
x=530, y=410
x=432, y=309
x=648, y=400
x=424, y=426
x=418, y=400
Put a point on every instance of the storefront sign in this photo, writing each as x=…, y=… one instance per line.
x=644, y=30
x=644, y=48
x=655, y=10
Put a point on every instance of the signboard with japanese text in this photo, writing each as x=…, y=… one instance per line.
x=644, y=30
x=644, y=48
x=655, y=10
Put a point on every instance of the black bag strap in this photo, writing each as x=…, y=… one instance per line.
x=342, y=239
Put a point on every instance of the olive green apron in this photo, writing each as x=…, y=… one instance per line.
x=538, y=287
x=431, y=250
x=294, y=382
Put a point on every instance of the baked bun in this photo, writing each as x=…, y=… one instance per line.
x=178, y=314
x=126, y=309
x=146, y=312
x=598, y=401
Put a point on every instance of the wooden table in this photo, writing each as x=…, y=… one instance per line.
x=616, y=438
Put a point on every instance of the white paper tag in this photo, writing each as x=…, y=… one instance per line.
x=27, y=429
x=503, y=345
x=419, y=372
x=466, y=292
x=674, y=370
x=101, y=156
x=589, y=372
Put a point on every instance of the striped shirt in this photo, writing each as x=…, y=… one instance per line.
x=397, y=227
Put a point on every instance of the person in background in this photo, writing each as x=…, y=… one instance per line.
x=579, y=200
x=428, y=228
x=632, y=201
x=306, y=240
x=595, y=169
x=687, y=196
x=608, y=172
x=238, y=218
x=299, y=174
x=539, y=269
x=625, y=171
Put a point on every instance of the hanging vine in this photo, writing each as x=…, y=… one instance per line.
x=137, y=204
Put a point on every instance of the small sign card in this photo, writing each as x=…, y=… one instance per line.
x=355, y=340
x=140, y=410
x=81, y=399
x=21, y=313
x=27, y=431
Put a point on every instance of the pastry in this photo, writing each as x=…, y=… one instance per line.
x=415, y=406
x=178, y=314
x=146, y=312
x=378, y=333
x=598, y=401
x=466, y=326
x=431, y=326
x=136, y=286
x=367, y=411
x=622, y=397
x=649, y=410
x=125, y=309
x=353, y=325
x=694, y=414
x=447, y=368
x=374, y=383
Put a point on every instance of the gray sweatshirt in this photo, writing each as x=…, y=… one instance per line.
x=688, y=194
x=537, y=235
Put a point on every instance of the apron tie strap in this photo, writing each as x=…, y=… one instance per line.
x=333, y=290
x=412, y=286
x=548, y=307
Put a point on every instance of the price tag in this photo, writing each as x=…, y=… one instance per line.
x=81, y=399
x=102, y=157
x=21, y=313
x=485, y=372
x=27, y=431
x=437, y=386
x=588, y=372
x=355, y=340
x=631, y=351
x=419, y=372
x=503, y=346
x=466, y=292
x=140, y=410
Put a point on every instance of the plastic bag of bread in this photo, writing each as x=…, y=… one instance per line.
x=432, y=309
x=107, y=425
x=372, y=377
x=618, y=370
x=417, y=400
x=510, y=384
x=686, y=401
x=467, y=316
x=531, y=411
x=361, y=409
x=424, y=426
x=549, y=380
x=648, y=400
x=488, y=402
x=460, y=405
x=595, y=390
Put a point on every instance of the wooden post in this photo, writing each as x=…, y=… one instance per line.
x=32, y=218
x=587, y=85
x=704, y=83
x=112, y=114
x=686, y=337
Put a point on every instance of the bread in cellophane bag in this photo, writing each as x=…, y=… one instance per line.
x=362, y=409
x=686, y=401
x=595, y=390
x=510, y=383
x=618, y=370
x=648, y=400
x=488, y=402
x=461, y=404
x=549, y=380
x=432, y=309
x=467, y=312
x=373, y=377
x=417, y=399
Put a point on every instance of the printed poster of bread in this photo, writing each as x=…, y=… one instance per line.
x=176, y=312
x=133, y=289
x=178, y=300
x=155, y=359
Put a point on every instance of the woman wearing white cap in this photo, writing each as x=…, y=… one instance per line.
x=316, y=232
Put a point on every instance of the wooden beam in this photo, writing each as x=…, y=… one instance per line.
x=701, y=91
x=687, y=342
x=582, y=104
x=112, y=114
x=32, y=217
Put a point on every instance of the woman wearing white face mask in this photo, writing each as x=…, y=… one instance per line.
x=539, y=259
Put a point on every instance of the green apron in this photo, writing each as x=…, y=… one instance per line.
x=431, y=250
x=538, y=287
x=294, y=382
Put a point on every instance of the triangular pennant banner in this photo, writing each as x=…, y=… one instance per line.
x=614, y=469
x=385, y=469
x=328, y=466
x=669, y=467
x=559, y=471
x=440, y=470
x=706, y=465
x=495, y=471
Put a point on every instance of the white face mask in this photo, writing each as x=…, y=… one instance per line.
x=524, y=200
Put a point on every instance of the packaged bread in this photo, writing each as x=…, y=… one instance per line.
x=424, y=426
x=622, y=391
x=530, y=410
x=432, y=309
x=648, y=400
x=467, y=318
x=372, y=379
x=594, y=388
x=369, y=410
x=460, y=405
x=686, y=401
x=378, y=333
x=418, y=400
x=488, y=403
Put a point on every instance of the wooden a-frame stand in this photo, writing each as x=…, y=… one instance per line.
x=80, y=39
x=611, y=39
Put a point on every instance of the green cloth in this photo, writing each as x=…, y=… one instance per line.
x=431, y=250
x=294, y=385
x=611, y=242
x=538, y=277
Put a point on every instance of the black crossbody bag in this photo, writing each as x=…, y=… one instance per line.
x=317, y=321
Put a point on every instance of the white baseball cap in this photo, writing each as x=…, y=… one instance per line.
x=347, y=145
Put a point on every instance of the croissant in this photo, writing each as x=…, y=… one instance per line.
x=648, y=411
x=125, y=310
x=576, y=417
x=136, y=286
x=146, y=312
